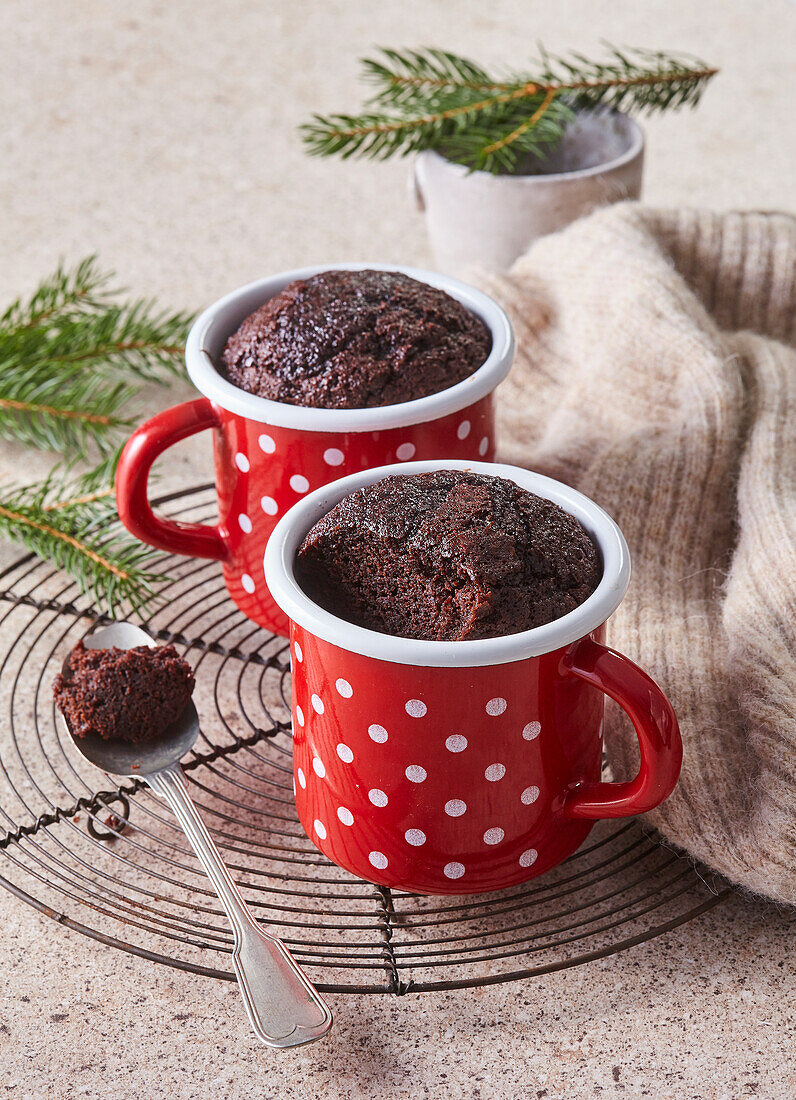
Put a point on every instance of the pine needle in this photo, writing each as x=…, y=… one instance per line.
x=66, y=292
x=72, y=360
x=72, y=522
x=432, y=99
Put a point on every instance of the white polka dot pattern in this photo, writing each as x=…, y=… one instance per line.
x=269, y=506
x=405, y=452
x=483, y=446
x=456, y=743
x=248, y=583
x=242, y=462
x=267, y=445
x=529, y=795
x=414, y=837
x=333, y=456
x=245, y=523
x=464, y=429
x=299, y=652
x=299, y=483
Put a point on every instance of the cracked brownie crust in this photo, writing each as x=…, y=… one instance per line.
x=355, y=340
x=448, y=555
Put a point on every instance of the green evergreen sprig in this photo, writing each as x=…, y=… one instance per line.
x=66, y=292
x=72, y=522
x=72, y=360
x=433, y=99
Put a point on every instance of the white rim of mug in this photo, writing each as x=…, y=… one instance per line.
x=221, y=319
x=280, y=555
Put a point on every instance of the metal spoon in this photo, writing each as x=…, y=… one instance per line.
x=285, y=1010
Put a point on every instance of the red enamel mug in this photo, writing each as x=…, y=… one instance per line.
x=268, y=454
x=461, y=767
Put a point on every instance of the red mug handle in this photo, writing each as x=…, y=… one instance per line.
x=196, y=540
x=656, y=728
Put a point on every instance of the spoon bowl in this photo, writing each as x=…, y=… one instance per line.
x=137, y=759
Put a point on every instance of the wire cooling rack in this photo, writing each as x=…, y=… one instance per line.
x=108, y=861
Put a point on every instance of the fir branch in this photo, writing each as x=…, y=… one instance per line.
x=84, y=287
x=403, y=77
x=67, y=412
x=84, y=498
x=72, y=522
x=432, y=99
x=499, y=147
x=72, y=360
x=518, y=132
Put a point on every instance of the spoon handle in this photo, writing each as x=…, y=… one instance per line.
x=285, y=1010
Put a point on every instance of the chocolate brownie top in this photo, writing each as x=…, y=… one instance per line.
x=355, y=340
x=448, y=555
x=130, y=694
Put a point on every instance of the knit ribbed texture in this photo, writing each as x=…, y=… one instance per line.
x=656, y=372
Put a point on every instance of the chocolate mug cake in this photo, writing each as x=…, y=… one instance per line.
x=270, y=450
x=448, y=555
x=355, y=340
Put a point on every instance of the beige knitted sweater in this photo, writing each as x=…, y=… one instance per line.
x=656, y=372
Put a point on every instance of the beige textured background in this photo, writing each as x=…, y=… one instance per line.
x=162, y=136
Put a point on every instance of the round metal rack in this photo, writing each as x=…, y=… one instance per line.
x=108, y=861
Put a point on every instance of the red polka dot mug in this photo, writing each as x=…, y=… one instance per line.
x=269, y=454
x=461, y=767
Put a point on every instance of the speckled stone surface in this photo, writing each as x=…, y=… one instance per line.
x=162, y=136
x=701, y=1014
